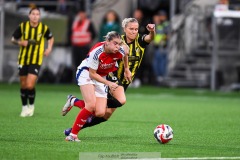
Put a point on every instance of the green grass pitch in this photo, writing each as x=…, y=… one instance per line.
x=205, y=124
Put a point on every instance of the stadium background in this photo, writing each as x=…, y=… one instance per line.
x=190, y=60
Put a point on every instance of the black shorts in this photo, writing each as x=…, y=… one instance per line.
x=113, y=78
x=26, y=69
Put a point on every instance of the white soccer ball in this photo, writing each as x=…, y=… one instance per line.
x=163, y=133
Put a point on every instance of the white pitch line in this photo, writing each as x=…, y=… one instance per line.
x=190, y=158
x=200, y=158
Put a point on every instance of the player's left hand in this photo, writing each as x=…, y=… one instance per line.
x=47, y=51
x=128, y=75
x=150, y=27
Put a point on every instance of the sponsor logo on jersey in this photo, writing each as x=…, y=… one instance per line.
x=39, y=35
x=106, y=66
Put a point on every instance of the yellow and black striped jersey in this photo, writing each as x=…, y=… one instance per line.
x=33, y=52
x=136, y=53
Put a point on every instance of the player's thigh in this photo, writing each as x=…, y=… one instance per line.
x=101, y=91
x=101, y=105
x=119, y=94
x=23, y=72
x=32, y=76
x=88, y=94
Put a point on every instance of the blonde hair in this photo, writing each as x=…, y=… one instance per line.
x=111, y=35
x=128, y=20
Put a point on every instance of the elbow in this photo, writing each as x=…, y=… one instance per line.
x=51, y=41
x=91, y=76
x=12, y=40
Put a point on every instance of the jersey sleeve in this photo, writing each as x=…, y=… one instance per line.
x=17, y=33
x=141, y=41
x=121, y=50
x=48, y=35
x=93, y=60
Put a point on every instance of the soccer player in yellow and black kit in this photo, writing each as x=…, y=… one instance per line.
x=30, y=36
x=137, y=44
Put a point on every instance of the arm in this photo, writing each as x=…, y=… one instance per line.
x=23, y=43
x=94, y=75
x=16, y=38
x=151, y=28
x=49, y=36
x=127, y=72
x=50, y=45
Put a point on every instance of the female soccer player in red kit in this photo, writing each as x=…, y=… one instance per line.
x=137, y=44
x=91, y=76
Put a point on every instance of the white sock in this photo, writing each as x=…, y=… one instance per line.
x=71, y=134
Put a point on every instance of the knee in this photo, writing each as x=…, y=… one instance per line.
x=23, y=85
x=90, y=106
x=30, y=86
x=99, y=114
x=122, y=101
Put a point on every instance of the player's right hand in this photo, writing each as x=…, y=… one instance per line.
x=150, y=27
x=128, y=75
x=23, y=43
x=112, y=86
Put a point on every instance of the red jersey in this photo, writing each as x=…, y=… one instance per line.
x=101, y=61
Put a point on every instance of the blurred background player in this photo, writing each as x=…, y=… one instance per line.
x=91, y=76
x=83, y=33
x=30, y=36
x=138, y=14
x=159, y=62
x=110, y=22
x=145, y=70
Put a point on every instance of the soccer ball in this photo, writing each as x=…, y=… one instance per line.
x=163, y=133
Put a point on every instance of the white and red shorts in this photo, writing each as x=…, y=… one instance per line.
x=82, y=76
